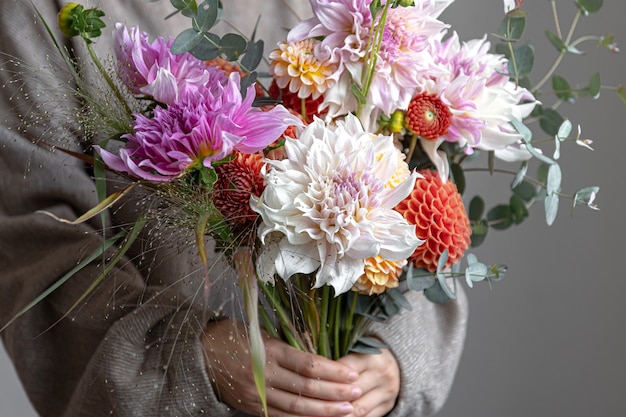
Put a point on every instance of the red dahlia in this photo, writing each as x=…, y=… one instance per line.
x=427, y=116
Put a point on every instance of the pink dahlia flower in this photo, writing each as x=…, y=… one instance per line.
x=150, y=68
x=203, y=126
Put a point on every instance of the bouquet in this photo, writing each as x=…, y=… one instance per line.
x=337, y=184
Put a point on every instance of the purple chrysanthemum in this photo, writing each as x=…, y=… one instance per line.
x=151, y=68
x=204, y=125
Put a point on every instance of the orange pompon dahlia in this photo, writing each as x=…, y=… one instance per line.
x=379, y=276
x=427, y=116
x=237, y=181
x=437, y=211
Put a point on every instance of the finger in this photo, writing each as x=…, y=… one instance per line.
x=308, y=364
x=289, y=404
x=289, y=381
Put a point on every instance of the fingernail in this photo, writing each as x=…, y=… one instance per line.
x=353, y=376
x=356, y=393
x=346, y=408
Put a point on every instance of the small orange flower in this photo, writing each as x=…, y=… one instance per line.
x=379, y=276
x=237, y=180
x=437, y=211
x=427, y=116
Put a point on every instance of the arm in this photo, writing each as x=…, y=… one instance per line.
x=133, y=346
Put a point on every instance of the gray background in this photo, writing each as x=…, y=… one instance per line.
x=550, y=339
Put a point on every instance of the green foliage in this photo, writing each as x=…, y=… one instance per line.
x=589, y=6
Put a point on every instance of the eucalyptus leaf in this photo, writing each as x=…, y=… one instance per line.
x=512, y=28
x=589, y=6
x=253, y=56
x=554, y=179
x=524, y=61
x=552, y=207
x=418, y=279
x=621, y=93
x=519, y=211
x=500, y=217
x=459, y=177
x=208, y=48
x=526, y=191
x=208, y=13
x=233, y=46
x=595, y=85
x=587, y=197
x=479, y=233
x=556, y=41
x=475, y=272
x=186, y=41
x=521, y=174
x=550, y=121
x=188, y=8
x=436, y=294
x=476, y=208
x=398, y=297
x=562, y=88
x=564, y=130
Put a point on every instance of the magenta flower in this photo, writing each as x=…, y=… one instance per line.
x=204, y=125
x=151, y=68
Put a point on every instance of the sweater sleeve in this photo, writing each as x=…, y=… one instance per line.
x=427, y=342
x=131, y=348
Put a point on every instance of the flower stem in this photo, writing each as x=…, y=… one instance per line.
x=323, y=345
x=107, y=78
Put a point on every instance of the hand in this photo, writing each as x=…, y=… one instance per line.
x=297, y=383
x=379, y=379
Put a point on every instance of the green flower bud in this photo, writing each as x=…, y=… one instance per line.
x=66, y=18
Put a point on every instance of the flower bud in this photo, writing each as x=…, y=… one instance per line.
x=66, y=19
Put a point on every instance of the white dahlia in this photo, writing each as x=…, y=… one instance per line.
x=325, y=208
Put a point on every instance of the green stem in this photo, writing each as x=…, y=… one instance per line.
x=348, y=332
x=323, y=338
x=107, y=78
x=284, y=320
x=561, y=55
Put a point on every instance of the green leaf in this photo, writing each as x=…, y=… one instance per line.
x=556, y=41
x=554, y=179
x=587, y=197
x=233, y=46
x=459, y=177
x=521, y=174
x=500, y=217
x=186, y=41
x=552, y=207
x=475, y=271
x=188, y=8
x=476, y=208
x=419, y=279
x=595, y=85
x=526, y=191
x=621, y=93
x=519, y=211
x=436, y=294
x=479, y=233
x=208, y=13
x=208, y=48
x=253, y=56
x=589, y=6
x=564, y=130
x=512, y=28
x=550, y=121
x=524, y=61
x=562, y=88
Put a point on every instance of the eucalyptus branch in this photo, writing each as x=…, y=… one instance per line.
x=561, y=55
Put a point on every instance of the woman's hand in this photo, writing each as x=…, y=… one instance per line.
x=297, y=383
x=379, y=379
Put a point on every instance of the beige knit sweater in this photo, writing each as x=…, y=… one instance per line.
x=132, y=347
